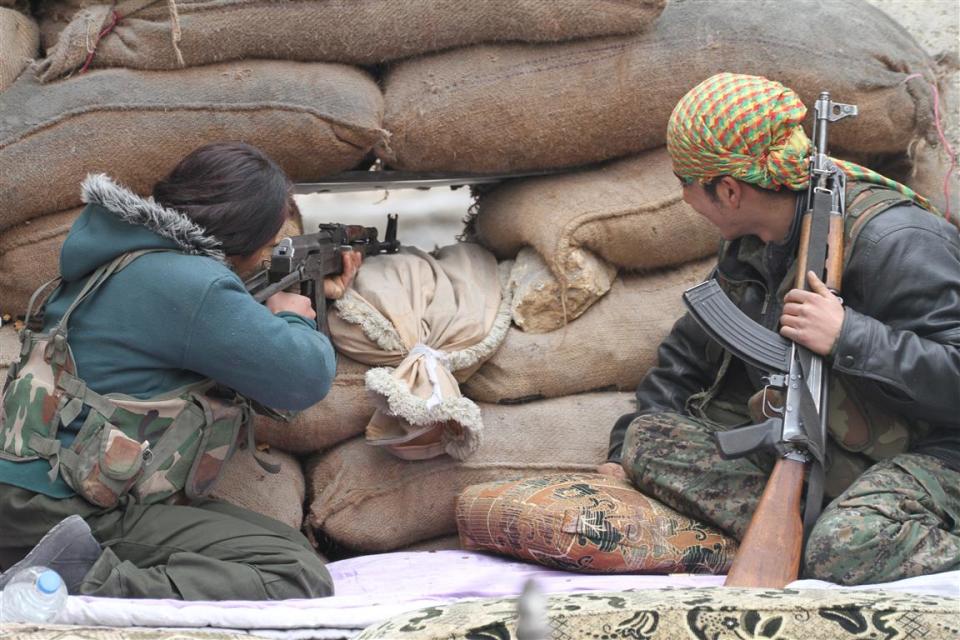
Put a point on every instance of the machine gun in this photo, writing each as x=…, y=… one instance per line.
x=306, y=260
x=770, y=552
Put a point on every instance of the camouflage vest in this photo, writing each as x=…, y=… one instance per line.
x=861, y=432
x=151, y=449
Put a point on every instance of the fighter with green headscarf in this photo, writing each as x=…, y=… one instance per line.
x=892, y=344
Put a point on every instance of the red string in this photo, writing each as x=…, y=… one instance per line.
x=943, y=140
x=106, y=30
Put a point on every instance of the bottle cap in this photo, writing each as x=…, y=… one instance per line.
x=49, y=581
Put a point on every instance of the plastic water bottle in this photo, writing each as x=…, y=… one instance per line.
x=36, y=594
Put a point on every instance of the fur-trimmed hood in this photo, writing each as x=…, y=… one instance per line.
x=117, y=220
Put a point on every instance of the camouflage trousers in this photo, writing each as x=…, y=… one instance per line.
x=900, y=518
x=209, y=550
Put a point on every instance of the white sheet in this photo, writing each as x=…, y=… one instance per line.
x=372, y=589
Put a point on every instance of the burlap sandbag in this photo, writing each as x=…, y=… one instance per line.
x=366, y=499
x=516, y=107
x=30, y=256
x=629, y=213
x=925, y=169
x=342, y=414
x=19, y=44
x=588, y=523
x=275, y=495
x=426, y=322
x=150, y=36
x=542, y=303
x=610, y=346
x=313, y=119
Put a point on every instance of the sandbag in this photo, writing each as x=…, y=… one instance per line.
x=542, y=303
x=342, y=414
x=30, y=256
x=496, y=108
x=366, y=499
x=313, y=119
x=629, y=214
x=925, y=170
x=9, y=350
x=353, y=31
x=19, y=44
x=275, y=495
x=610, y=346
x=589, y=523
x=426, y=322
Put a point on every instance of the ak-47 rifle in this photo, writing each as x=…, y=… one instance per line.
x=770, y=552
x=306, y=260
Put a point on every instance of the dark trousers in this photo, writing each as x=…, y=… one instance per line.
x=900, y=518
x=210, y=550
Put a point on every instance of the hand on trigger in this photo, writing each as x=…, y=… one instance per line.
x=812, y=318
x=335, y=286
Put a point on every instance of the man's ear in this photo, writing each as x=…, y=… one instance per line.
x=729, y=192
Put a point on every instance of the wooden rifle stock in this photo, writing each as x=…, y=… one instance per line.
x=769, y=554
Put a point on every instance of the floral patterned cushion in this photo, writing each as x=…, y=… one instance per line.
x=697, y=614
x=587, y=522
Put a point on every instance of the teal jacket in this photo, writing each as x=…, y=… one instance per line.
x=170, y=319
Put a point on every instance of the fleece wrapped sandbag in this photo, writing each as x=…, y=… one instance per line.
x=628, y=214
x=589, y=523
x=343, y=413
x=501, y=108
x=365, y=499
x=426, y=322
x=610, y=346
x=19, y=44
x=313, y=119
x=148, y=35
x=275, y=495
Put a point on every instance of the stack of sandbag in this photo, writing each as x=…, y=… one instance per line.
x=570, y=233
x=368, y=500
x=150, y=34
x=19, y=43
x=312, y=118
x=611, y=346
x=498, y=108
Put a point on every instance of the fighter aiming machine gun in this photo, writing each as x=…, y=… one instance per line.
x=304, y=261
x=770, y=552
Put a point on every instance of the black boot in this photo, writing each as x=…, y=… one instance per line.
x=69, y=548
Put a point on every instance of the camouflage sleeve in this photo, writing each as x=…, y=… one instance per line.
x=281, y=361
x=901, y=329
x=682, y=369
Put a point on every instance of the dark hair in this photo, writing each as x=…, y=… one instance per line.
x=711, y=187
x=234, y=191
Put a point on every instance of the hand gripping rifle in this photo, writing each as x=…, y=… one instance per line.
x=770, y=552
x=306, y=260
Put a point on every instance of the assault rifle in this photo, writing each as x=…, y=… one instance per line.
x=306, y=260
x=770, y=552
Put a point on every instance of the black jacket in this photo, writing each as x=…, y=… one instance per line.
x=899, y=346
